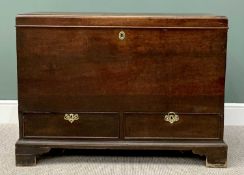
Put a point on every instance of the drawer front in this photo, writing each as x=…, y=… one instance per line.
x=79, y=125
x=97, y=69
x=185, y=126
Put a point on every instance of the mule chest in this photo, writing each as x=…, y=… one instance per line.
x=121, y=81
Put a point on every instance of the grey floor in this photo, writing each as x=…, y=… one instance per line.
x=112, y=165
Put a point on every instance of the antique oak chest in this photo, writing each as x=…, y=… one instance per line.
x=121, y=81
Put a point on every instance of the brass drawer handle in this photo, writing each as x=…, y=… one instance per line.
x=171, y=117
x=71, y=117
x=121, y=35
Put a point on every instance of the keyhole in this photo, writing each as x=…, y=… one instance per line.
x=121, y=35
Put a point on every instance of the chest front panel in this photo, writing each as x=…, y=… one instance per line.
x=92, y=69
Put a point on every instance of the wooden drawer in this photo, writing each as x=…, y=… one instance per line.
x=189, y=126
x=87, y=125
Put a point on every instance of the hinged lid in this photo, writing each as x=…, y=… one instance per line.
x=121, y=20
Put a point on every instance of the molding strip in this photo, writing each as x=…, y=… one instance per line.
x=120, y=27
x=234, y=113
x=8, y=111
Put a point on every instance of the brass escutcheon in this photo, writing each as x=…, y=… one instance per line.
x=71, y=117
x=121, y=35
x=171, y=117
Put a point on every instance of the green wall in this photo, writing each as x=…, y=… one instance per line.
x=233, y=9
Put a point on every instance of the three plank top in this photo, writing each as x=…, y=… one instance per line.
x=97, y=14
x=49, y=19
